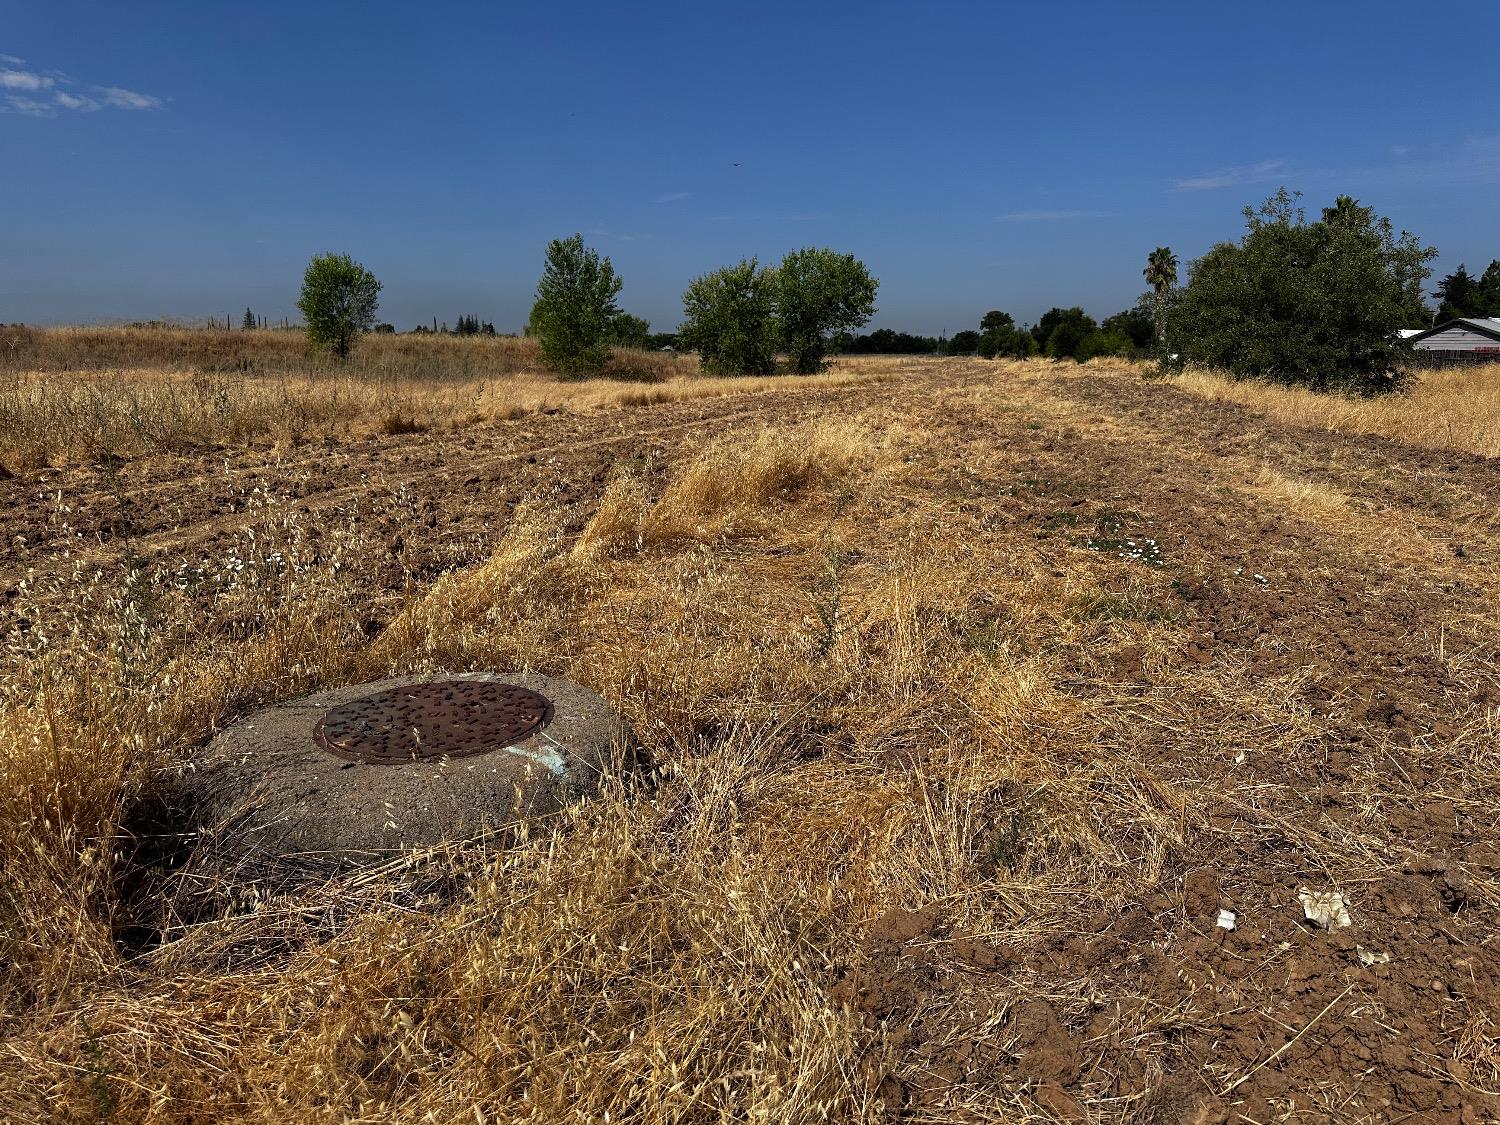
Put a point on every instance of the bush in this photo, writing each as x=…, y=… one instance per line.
x=338, y=302
x=729, y=318
x=575, y=311
x=1103, y=343
x=1316, y=304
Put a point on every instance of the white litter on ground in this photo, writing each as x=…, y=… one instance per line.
x=1369, y=957
x=1326, y=909
x=1225, y=920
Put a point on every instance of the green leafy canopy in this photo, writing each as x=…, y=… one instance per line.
x=737, y=318
x=1313, y=303
x=338, y=302
x=820, y=292
x=574, y=317
x=729, y=320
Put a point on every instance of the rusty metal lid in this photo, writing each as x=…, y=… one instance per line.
x=437, y=719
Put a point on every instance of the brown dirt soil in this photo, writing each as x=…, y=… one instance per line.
x=1243, y=583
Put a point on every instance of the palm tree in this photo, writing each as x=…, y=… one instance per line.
x=1161, y=269
x=1161, y=274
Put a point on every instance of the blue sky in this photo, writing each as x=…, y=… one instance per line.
x=177, y=159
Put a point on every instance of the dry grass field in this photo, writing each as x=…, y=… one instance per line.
x=1451, y=408
x=77, y=394
x=978, y=690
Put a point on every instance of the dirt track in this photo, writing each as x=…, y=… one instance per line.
x=1361, y=598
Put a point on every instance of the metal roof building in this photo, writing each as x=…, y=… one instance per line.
x=1469, y=338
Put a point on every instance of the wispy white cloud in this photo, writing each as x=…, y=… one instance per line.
x=28, y=107
x=604, y=234
x=34, y=94
x=23, y=80
x=129, y=99
x=1050, y=216
x=1233, y=177
x=73, y=101
x=1450, y=162
x=674, y=197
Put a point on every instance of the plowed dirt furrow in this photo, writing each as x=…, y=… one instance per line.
x=295, y=485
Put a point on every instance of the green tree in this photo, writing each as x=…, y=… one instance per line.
x=729, y=319
x=247, y=322
x=1161, y=274
x=887, y=341
x=628, y=331
x=1060, y=331
x=338, y=302
x=819, y=293
x=1138, y=325
x=1317, y=304
x=575, y=307
x=964, y=343
x=1489, y=290
x=1462, y=294
x=999, y=337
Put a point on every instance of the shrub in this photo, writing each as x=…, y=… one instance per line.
x=1103, y=343
x=338, y=302
x=729, y=319
x=1317, y=304
x=575, y=307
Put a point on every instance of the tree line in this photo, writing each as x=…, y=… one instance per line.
x=1316, y=302
x=1060, y=334
x=738, y=319
x=1460, y=294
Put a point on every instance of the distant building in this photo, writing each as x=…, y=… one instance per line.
x=1469, y=339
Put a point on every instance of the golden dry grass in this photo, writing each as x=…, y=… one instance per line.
x=863, y=699
x=286, y=352
x=777, y=632
x=1451, y=408
x=178, y=390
